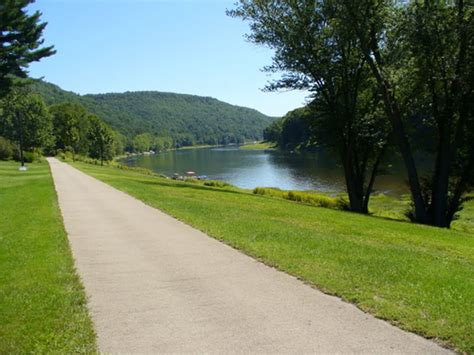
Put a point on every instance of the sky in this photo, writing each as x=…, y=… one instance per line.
x=183, y=46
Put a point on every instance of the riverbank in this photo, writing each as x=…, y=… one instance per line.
x=191, y=147
x=249, y=146
x=417, y=277
x=258, y=146
x=42, y=302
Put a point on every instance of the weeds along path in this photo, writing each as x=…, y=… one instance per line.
x=158, y=285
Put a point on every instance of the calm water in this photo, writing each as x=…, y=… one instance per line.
x=252, y=168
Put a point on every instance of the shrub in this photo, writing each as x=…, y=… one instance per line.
x=313, y=199
x=270, y=191
x=65, y=155
x=6, y=149
x=216, y=183
x=310, y=198
x=28, y=157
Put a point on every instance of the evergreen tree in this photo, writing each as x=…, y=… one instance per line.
x=20, y=41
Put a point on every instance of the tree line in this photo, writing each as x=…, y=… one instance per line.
x=382, y=73
x=187, y=119
x=28, y=125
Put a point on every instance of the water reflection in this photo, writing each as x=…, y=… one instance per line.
x=252, y=168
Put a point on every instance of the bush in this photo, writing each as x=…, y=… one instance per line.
x=216, y=183
x=6, y=149
x=309, y=198
x=28, y=157
x=65, y=155
x=270, y=191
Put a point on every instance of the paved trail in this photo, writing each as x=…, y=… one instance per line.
x=158, y=285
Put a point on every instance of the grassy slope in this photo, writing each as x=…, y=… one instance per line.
x=418, y=277
x=42, y=302
x=395, y=208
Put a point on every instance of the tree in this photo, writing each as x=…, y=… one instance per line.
x=162, y=143
x=6, y=149
x=295, y=131
x=101, y=140
x=71, y=127
x=142, y=142
x=314, y=51
x=272, y=133
x=26, y=121
x=120, y=142
x=20, y=41
x=432, y=44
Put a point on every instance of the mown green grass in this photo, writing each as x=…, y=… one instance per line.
x=42, y=303
x=396, y=208
x=258, y=146
x=418, y=277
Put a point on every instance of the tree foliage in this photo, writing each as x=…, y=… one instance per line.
x=421, y=54
x=314, y=51
x=26, y=121
x=71, y=126
x=411, y=58
x=20, y=41
x=6, y=149
x=294, y=131
x=101, y=139
x=187, y=119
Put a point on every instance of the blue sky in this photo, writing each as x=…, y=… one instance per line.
x=184, y=46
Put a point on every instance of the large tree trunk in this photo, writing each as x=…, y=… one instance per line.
x=373, y=175
x=21, y=139
x=439, y=197
x=393, y=112
x=22, y=157
x=372, y=56
x=354, y=185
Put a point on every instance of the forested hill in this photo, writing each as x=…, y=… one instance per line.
x=202, y=120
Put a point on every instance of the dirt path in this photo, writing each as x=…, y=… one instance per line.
x=158, y=285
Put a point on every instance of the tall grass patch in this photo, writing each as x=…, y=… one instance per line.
x=308, y=198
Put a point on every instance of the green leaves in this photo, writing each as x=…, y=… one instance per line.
x=20, y=41
x=101, y=139
x=26, y=120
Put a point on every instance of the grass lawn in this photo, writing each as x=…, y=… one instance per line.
x=258, y=146
x=395, y=208
x=42, y=302
x=417, y=277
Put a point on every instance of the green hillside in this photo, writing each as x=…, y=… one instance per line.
x=203, y=120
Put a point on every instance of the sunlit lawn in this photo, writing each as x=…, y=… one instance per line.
x=418, y=277
x=42, y=302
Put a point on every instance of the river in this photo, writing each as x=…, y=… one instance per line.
x=269, y=168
